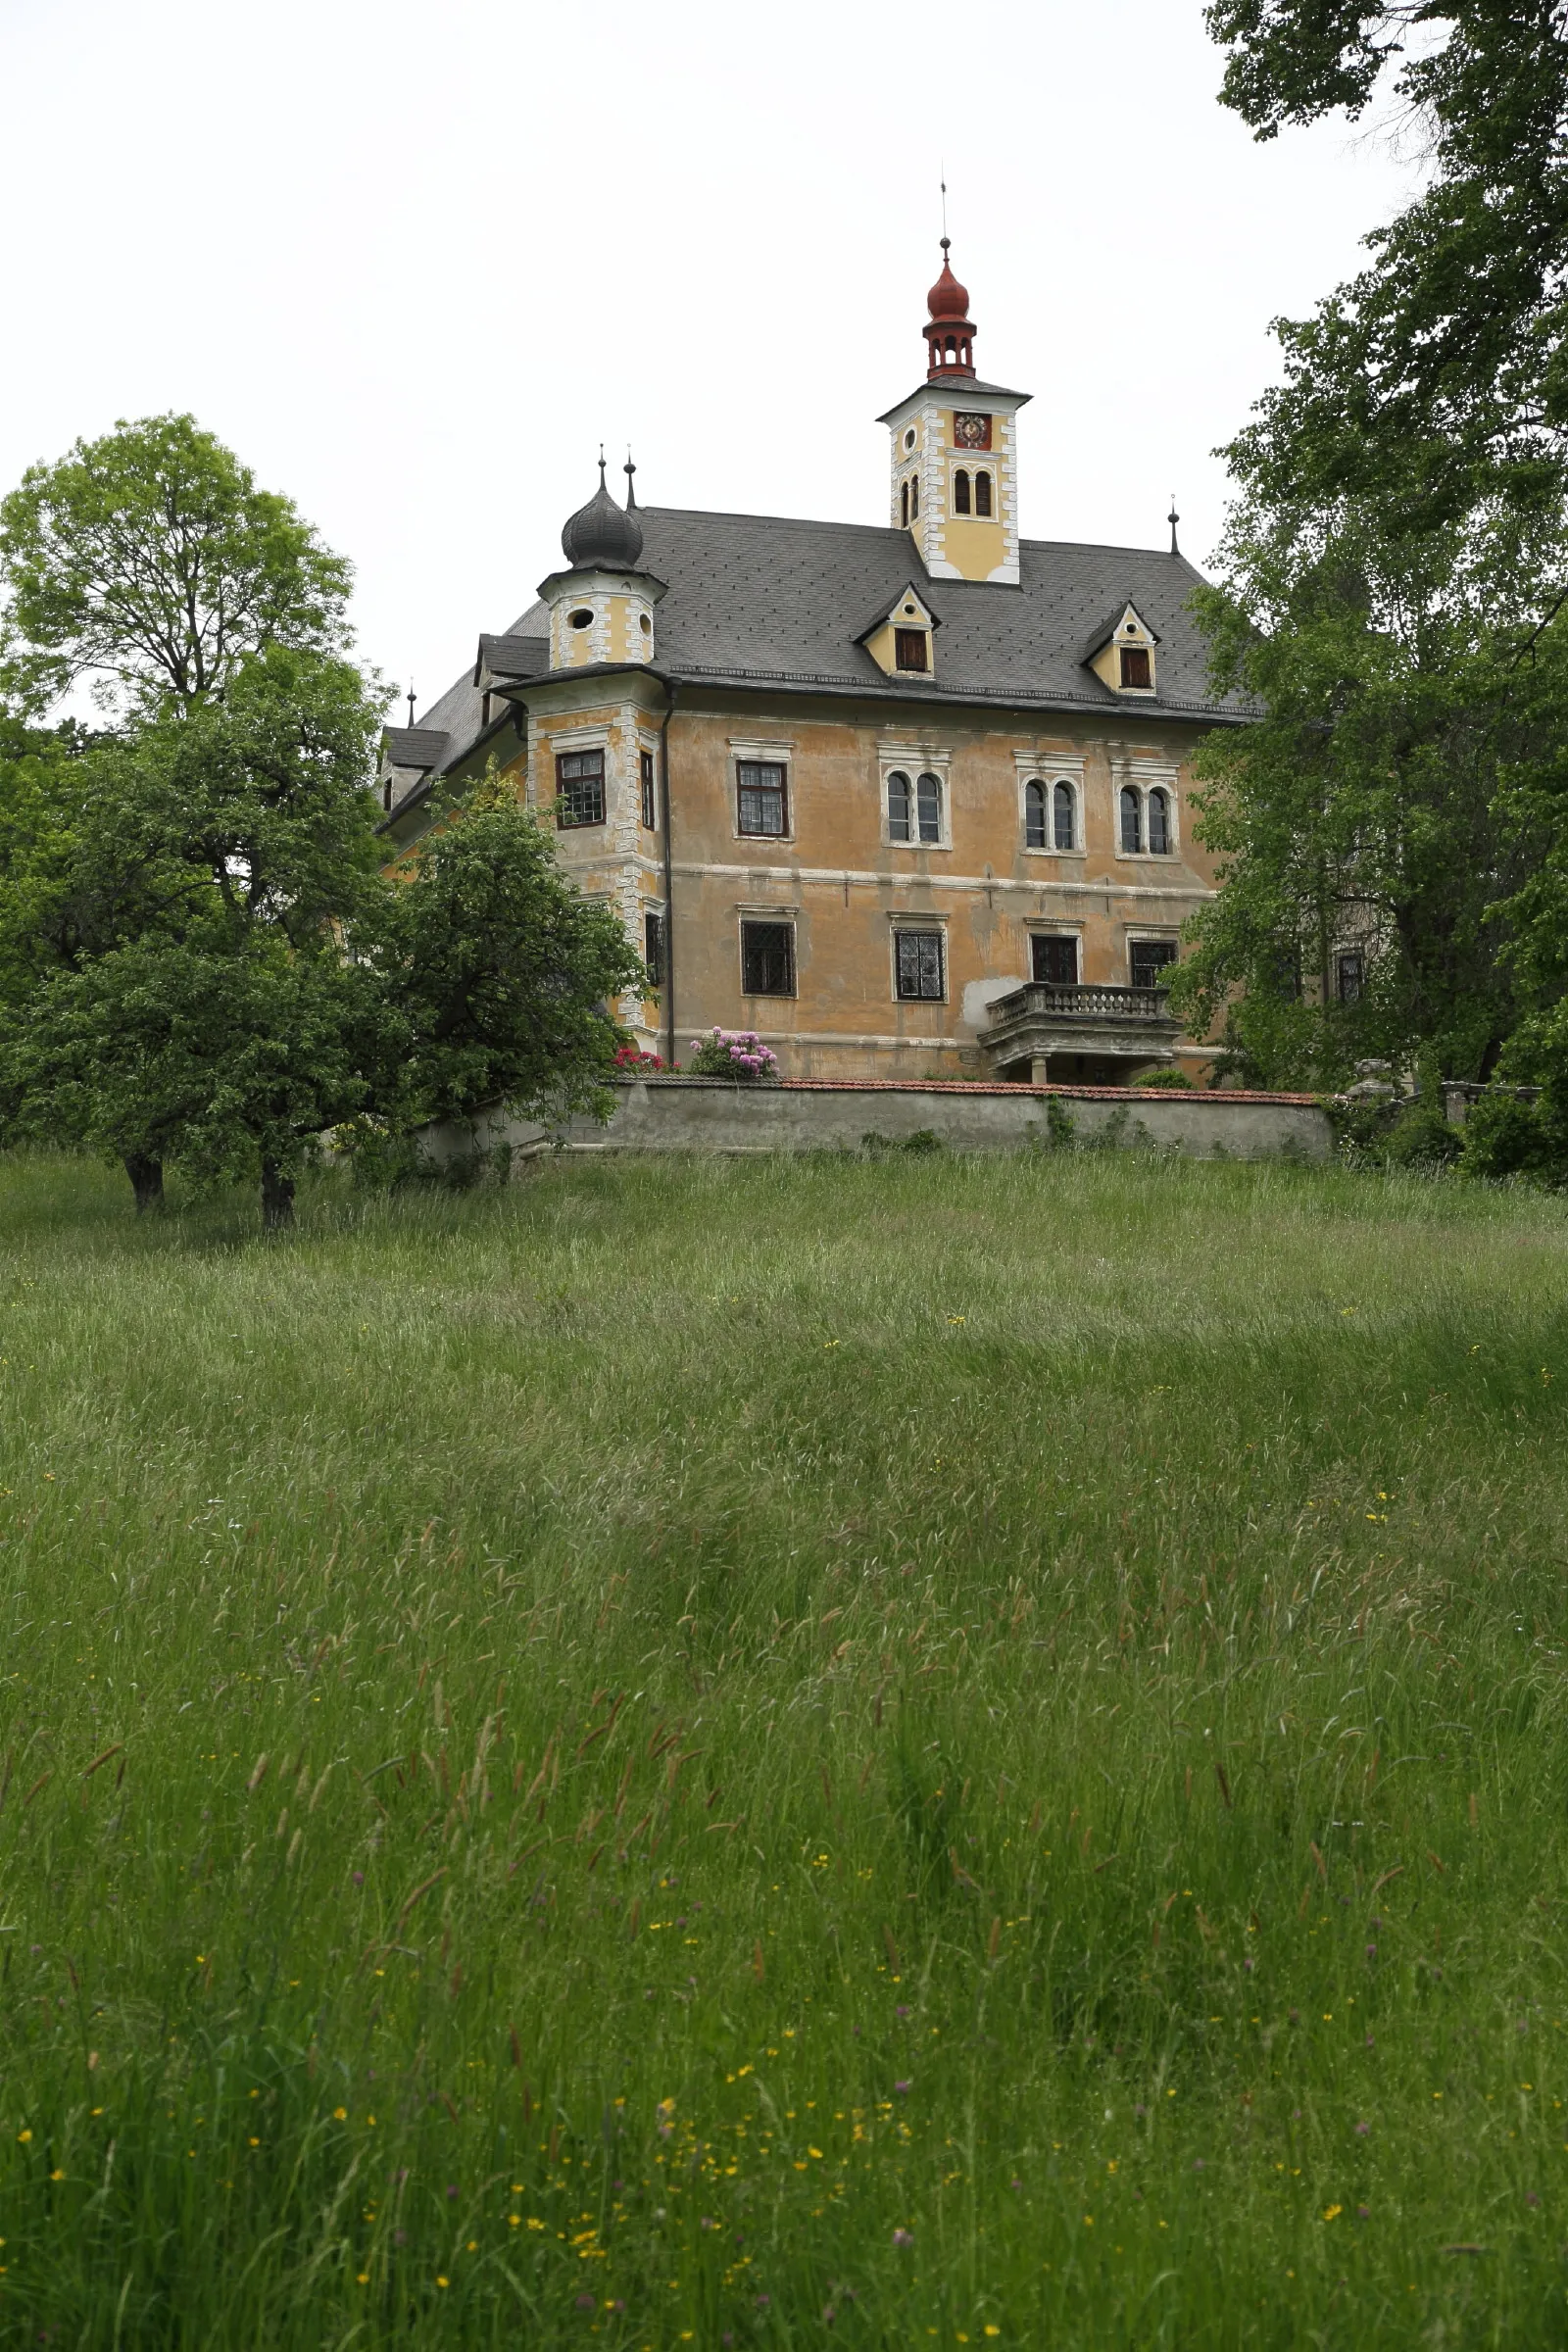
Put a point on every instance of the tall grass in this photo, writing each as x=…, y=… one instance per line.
x=787, y=1753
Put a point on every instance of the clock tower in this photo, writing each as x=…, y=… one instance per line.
x=955, y=453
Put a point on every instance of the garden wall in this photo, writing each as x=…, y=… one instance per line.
x=814, y=1114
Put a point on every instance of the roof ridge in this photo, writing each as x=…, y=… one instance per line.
x=893, y=531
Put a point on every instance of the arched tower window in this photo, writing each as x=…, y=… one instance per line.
x=1132, y=831
x=982, y=493
x=914, y=498
x=960, y=492
x=899, y=806
x=904, y=505
x=928, y=803
x=1034, y=817
x=1159, y=824
x=1061, y=809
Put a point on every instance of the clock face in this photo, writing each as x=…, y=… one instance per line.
x=970, y=432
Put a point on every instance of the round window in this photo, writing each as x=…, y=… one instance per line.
x=647, y=626
x=908, y=438
x=582, y=618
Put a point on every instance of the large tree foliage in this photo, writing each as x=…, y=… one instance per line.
x=1395, y=557
x=217, y=970
x=221, y=864
x=150, y=562
x=498, y=976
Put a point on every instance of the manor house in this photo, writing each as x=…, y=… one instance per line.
x=909, y=799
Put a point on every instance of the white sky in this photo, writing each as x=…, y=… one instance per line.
x=413, y=262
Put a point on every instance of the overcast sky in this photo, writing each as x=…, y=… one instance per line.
x=413, y=262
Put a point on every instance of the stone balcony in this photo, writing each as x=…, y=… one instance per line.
x=1087, y=1035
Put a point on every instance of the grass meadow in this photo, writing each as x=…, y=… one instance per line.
x=884, y=1754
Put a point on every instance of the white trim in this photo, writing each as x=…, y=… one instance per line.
x=580, y=739
x=835, y=877
x=1145, y=776
x=784, y=917
x=923, y=924
x=899, y=760
x=766, y=754
x=1052, y=772
x=750, y=748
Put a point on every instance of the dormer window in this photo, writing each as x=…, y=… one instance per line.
x=1121, y=653
x=901, y=641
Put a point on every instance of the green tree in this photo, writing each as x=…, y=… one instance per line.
x=1395, y=559
x=498, y=974
x=150, y=562
x=224, y=869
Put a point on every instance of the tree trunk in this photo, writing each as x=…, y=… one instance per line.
x=278, y=1197
x=146, y=1180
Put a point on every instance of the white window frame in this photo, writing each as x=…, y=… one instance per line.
x=918, y=923
x=775, y=755
x=914, y=761
x=1045, y=928
x=1143, y=776
x=1150, y=935
x=784, y=919
x=1051, y=772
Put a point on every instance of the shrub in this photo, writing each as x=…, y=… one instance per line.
x=732, y=1053
x=1168, y=1082
x=632, y=1063
x=1506, y=1136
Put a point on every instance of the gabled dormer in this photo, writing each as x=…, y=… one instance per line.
x=901, y=641
x=1121, y=653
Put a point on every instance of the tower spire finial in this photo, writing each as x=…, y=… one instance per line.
x=632, y=488
x=942, y=169
x=1173, y=518
x=411, y=702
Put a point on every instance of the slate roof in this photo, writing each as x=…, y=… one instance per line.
x=513, y=655
x=777, y=603
x=415, y=747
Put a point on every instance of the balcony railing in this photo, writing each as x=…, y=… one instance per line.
x=1054, y=1000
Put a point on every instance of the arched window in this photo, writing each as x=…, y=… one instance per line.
x=982, y=493
x=904, y=505
x=928, y=804
x=1061, y=809
x=899, y=806
x=1132, y=830
x=960, y=492
x=914, y=498
x=1160, y=823
x=1034, y=818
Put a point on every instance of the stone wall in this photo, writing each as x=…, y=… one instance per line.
x=713, y=1114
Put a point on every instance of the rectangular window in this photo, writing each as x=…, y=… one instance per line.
x=918, y=965
x=1135, y=670
x=767, y=959
x=579, y=788
x=761, y=802
x=1351, y=974
x=645, y=769
x=1054, y=959
x=653, y=948
x=908, y=649
x=1148, y=959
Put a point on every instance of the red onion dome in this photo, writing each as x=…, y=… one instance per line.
x=947, y=298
